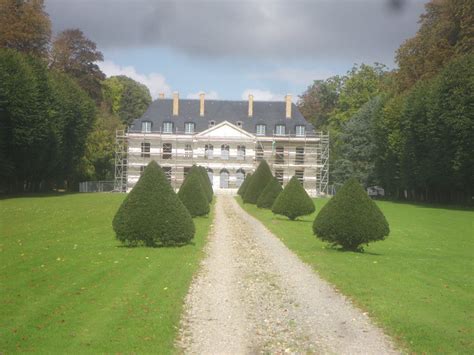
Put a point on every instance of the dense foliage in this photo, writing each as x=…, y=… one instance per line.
x=192, y=194
x=76, y=55
x=45, y=118
x=25, y=26
x=243, y=186
x=51, y=135
x=127, y=98
x=152, y=214
x=293, y=201
x=407, y=130
x=269, y=194
x=260, y=179
x=351, y=219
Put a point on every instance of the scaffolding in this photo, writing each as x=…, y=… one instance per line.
x=121, y=161
x=305, y=156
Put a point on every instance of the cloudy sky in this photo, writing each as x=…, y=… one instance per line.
x=229, y=48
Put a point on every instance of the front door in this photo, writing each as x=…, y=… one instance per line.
x=224, y=181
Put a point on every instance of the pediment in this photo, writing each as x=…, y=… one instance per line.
x=226, y=130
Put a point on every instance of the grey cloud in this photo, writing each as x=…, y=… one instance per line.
x=354, y=30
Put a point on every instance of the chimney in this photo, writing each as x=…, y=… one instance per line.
x=201, y=104
x=161, y=95
x=288, y=105
x=250, y=105
x=175, y=103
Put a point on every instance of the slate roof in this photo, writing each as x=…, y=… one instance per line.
x=269, y=113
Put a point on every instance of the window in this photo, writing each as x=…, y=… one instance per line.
x=279, y=175
x=239, y=124
x=239, y=177
x=167, y=171
x=300, y=130
x=300, y=175
x=146, y=149
x=208, y=151
x=241, y=152
x=259, y=152
x=280, y=129
x=212, y=123
x=280, y=155
x=188, y=151
x=167, y=150
x=210, y=175
x=260, y=130
x=146, y=127
x=189, y=128
x=299, y=158
x=167, y=127
x=225, y=152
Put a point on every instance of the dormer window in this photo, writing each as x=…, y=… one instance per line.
x=260, y=130
x=280, y=130
x=167, y=127
x=146, y=126
x=189, y=127
x=212, y=123
x=300, y=131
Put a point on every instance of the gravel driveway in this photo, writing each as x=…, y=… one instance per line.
x=253, y=295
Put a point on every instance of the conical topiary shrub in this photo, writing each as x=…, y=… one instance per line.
x=244, y=185
x=152, y=214
x=269, y=194
x=192, y=195
x=351, y=219
x=293, y=201
x=206, y=182
x=260, y=178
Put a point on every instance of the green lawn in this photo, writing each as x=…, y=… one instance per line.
x=68, y=286
x=418, y=284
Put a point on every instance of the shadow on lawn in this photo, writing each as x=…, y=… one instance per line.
x=37, y=195
x=438, y=206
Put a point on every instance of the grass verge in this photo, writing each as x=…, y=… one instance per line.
x=417, y=284
x=68, y=286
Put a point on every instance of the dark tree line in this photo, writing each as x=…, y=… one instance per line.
x=409, y=130
x=57, y=114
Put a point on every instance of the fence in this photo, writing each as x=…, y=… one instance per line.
x=96, y=186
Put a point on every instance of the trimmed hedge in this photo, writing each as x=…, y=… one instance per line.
x=206, y=183
x=192, y=194
x=152, y=214
x=351, y=219
x=244, y=185
x=269, y=194
x=293, y=201
x=260, y=178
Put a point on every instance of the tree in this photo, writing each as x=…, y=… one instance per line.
x=293, y=201
x=260, y=179
x=98, y=161
x=207, y=185
x=76, y=55
x=446, y=32
x=269, y=194
x=243, y=187
x=192, y=194
x=357, y=145
x=127, y=98
x=351, y=219
x=319, y=100
x=75, y=113
x=25, y=26
x=152, y=214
